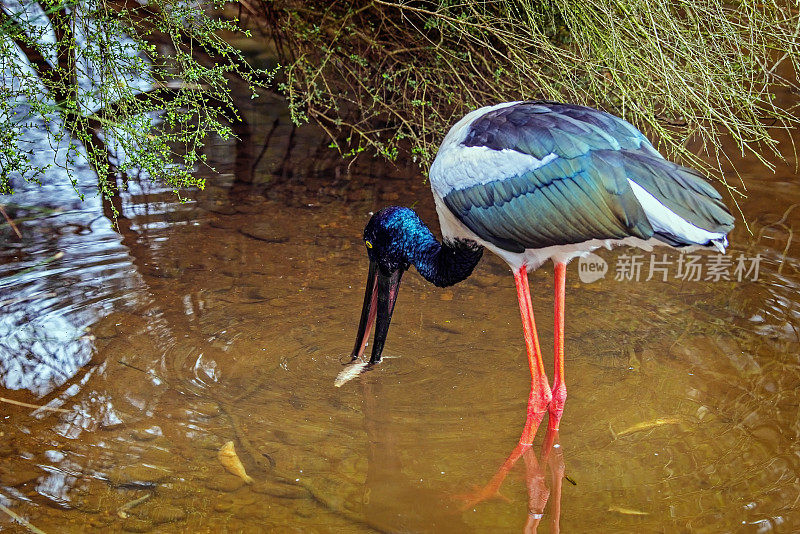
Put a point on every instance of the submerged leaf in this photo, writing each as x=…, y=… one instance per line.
x=228, y=458
x=626, y=511
x=647, y=425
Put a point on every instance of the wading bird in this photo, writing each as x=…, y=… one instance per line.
x=535, y=181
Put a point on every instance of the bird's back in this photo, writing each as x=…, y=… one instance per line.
x=532, y=175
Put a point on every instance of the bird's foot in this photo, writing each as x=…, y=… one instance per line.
x=492, y=489
x=479, y=494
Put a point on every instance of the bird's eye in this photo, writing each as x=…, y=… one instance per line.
x=369, y=245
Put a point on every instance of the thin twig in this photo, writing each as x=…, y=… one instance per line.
x=21, y=520
x=10, y=222
x=57, y=256
x=36, y=406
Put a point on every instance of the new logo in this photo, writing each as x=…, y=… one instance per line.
x=591, y=268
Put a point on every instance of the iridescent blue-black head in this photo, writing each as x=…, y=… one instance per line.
x=389, y=238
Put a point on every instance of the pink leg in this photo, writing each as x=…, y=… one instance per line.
x=538, y=399
x=559, y=387
x=540, y=395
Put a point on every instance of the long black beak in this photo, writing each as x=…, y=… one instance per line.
x=380, y=296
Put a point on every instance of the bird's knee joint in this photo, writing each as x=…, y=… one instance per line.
x=545, y=397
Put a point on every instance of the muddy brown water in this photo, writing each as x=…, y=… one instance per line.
x=228, y=317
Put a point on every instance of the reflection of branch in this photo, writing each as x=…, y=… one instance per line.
x=780, y=223
x=261, y=17
x=284, y=167
x=266, y=144
x=144, y=17
x=154, y=99
x=65, y=52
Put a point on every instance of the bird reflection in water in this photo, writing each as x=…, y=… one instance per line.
x=540, y=489
x=392, y=501
x=551, y=459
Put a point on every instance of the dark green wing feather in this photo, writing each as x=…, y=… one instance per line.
x=682, y=190
x=564, y=201
x=583, y=191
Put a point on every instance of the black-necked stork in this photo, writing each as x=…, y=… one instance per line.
x=533, y=181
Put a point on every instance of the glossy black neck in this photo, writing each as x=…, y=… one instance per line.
x=445, y=264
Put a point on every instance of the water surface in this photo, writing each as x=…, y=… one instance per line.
x=228, y=317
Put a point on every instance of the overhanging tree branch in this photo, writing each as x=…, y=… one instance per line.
x=124, y=97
